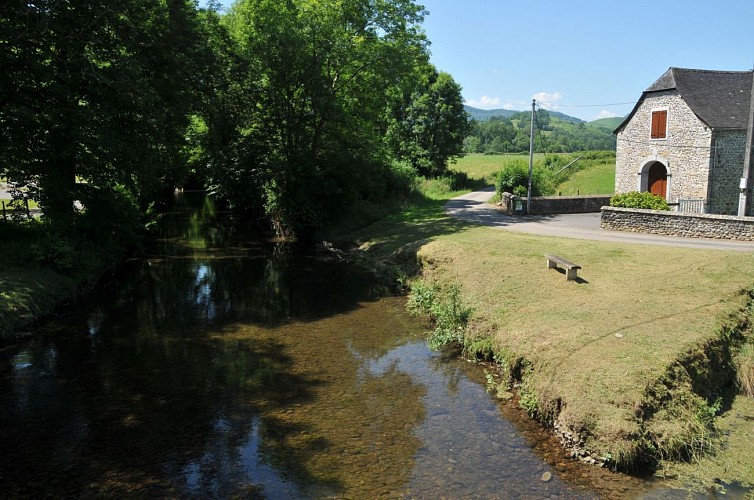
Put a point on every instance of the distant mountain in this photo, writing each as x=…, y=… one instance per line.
x=482, y=115
x=609, y=123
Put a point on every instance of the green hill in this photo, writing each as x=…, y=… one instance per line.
x=609, y=123
x=481, y=115
x=485, y=114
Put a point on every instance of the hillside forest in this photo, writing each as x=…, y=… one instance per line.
x=500, y=131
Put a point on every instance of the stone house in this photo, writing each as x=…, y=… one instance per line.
x=685, y=140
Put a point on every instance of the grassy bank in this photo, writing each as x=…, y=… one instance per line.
x=632, y=363
x=610, y=357
x=40, y=272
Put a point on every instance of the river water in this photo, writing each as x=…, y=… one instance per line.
x=225, y=365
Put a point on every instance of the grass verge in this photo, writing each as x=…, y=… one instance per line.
x=633, y=360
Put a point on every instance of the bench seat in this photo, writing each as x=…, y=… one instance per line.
x=571, y=268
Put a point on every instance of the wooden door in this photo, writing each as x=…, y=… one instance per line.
x=657, y=181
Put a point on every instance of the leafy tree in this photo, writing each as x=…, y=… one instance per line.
x=95, y=95
x=555, y=135
x=321, y=74
x=431, y=130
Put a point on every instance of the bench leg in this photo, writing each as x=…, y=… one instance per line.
x=570, y=274
x=551, y=264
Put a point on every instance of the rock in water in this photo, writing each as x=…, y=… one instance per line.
x=546, y=477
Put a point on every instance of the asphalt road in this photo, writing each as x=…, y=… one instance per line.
x=473, y=207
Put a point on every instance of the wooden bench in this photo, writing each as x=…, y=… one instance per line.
x=570, y=268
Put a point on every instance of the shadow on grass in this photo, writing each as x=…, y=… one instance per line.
x=399, y=235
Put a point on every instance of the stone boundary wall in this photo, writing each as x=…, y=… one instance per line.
x=721, y=227
x=545, y=205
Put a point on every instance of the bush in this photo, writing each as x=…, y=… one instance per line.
x=514, y=178
x=634, y=199
x=444, y=307
x=447, y=183
x=55, y=251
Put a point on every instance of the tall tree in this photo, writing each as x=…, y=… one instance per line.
x=97, y=92
x=431, y=129
x=322, y=71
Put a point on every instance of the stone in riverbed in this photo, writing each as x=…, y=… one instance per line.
x=546, y=477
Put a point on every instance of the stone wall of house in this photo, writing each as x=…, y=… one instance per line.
x=545, y=205
x=725, y=227
x=685, y=151
x=727, y=167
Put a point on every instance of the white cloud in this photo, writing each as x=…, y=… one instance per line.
x=484, y=102
x=606, y=114
x=547, y=99
x=509, y=105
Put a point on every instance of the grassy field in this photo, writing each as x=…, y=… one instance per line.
x=479, y=166
x=599, y=179
x=618, y=357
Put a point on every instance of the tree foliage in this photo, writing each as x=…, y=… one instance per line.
x=293, y=111
x=430, y=128
x=554, y=135
x=95, y=97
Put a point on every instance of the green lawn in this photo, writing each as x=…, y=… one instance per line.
x=599, y=352
x=599, y=179
x=6, y=202
x=480, y=166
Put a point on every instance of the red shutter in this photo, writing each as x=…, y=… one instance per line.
x=659, y=124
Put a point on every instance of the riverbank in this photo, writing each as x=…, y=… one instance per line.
x=630, y=363
x=40, y=273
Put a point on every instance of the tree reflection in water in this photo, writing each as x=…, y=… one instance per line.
x=220, y=365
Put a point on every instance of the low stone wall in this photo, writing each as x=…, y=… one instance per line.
x=544, y=205
x=721, y=227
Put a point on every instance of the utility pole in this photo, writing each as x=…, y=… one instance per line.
x=743, y=197
x=531, y=158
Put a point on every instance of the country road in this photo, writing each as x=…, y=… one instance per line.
x=473, y=207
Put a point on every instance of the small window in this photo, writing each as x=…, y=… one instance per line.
x=659, y=124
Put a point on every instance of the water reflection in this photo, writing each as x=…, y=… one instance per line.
x=226, y=366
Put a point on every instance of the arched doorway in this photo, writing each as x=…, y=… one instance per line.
x=657, y=179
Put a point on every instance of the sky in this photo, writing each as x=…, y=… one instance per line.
x=586, y=58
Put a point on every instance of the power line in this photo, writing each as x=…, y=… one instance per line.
x=582, y=105
x=595, y=105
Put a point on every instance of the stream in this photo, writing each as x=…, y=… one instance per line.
x=228, y=365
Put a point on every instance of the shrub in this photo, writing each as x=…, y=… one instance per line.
x=450, y=181
x=444, y=307
x=56, y=251
x=514, y=178
x=635, y=199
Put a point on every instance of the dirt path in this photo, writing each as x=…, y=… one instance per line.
x=473, y=207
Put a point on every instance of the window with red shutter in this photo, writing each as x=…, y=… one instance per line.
x=659, y=124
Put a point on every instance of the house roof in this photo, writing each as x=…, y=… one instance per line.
x=720, y=99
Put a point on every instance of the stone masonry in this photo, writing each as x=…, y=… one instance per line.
x=685, y=151
x=666, y=223
x=729, y=151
